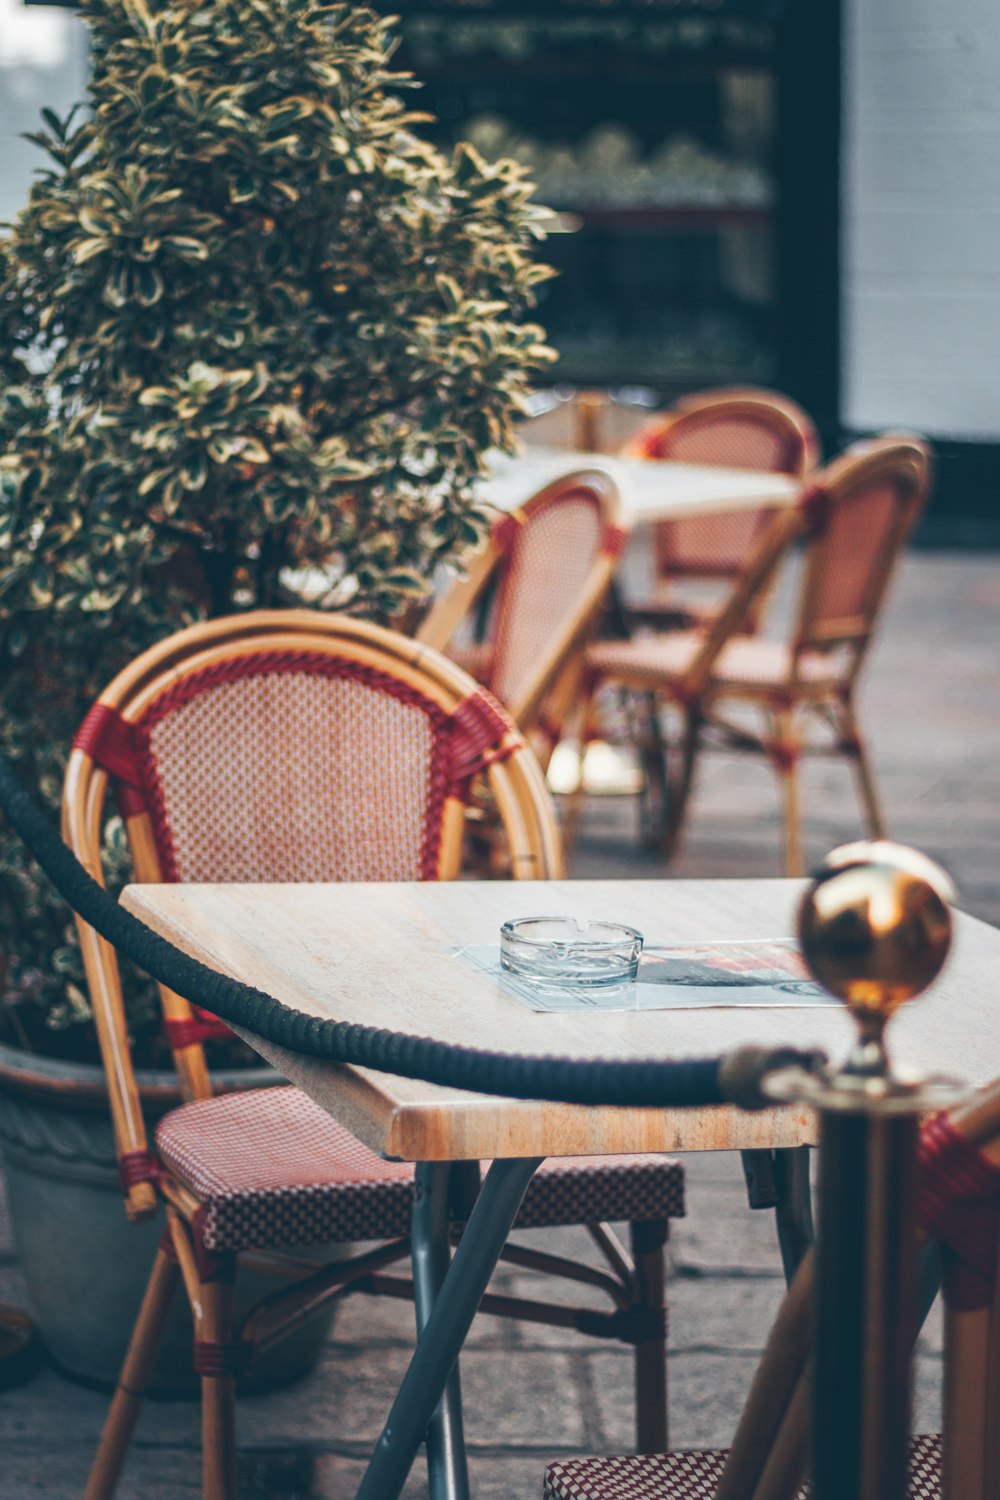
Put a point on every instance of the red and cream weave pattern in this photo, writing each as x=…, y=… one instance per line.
x=546, y=573
x=732, y=441
x=695, y=1476
x=271, y=770
x=856, y=552
x=717, y=546
x=270, y=1167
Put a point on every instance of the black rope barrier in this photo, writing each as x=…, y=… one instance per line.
x=663, y=1082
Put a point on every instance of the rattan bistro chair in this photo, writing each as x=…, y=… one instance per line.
x=799, y=692
x=958, y=1206
x=304, y=746
x=737, y=428
x=543, y=575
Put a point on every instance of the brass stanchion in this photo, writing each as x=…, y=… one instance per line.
x=875, y=929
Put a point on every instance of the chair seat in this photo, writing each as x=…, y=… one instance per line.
x=695, y=1475
x=270, y=1167
x=746, y=664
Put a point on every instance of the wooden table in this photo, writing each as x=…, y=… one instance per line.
x=381, y=954
x=652, y=490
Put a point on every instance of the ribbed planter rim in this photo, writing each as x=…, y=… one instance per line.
x=82, y=1084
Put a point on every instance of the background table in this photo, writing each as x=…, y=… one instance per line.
x=651, y=490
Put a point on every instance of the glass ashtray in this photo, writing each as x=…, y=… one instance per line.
x=561, y=950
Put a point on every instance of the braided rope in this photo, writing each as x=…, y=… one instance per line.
x=639, y=1082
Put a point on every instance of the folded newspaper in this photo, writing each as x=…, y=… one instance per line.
x=700, y=975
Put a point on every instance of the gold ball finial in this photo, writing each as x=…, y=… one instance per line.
x=875, y=928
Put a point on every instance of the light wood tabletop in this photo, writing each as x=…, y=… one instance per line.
x=383, y=955
x=651, y=490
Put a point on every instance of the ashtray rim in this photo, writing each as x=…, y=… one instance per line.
x=508, y=929
x=520, y=953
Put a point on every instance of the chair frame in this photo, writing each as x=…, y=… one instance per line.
x=635, y=1285
x=704, y=701
x=781, y=740
x=550, y=687
x=672, y=781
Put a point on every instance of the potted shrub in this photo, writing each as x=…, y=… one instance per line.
x=250, y=324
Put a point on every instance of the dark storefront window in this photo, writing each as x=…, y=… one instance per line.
x=666, y=137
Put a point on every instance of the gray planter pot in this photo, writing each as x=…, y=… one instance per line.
x=86, y=1266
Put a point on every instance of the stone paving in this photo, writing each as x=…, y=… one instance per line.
x=932, y=706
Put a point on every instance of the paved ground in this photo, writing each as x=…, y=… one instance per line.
x=931, y=706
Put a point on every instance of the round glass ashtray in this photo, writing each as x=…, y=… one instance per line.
x=562, y=951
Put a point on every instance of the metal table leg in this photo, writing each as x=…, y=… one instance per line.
x=793, y=1209
x=447, y=1325
x=779, y=1179
x=447, y=1471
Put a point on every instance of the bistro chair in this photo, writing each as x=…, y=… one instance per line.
x=737, y=428
x=537, y=586
x=958, y=1206
x=300, y=746
x=800, y=693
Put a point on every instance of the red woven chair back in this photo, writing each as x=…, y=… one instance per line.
x=740, y=429
x=859, y=514
x=548, y=560
x=545, y=572
x=289, y=746
x=291, y=765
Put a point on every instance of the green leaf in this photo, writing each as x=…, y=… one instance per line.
x=85, y=250
x=148, y=285
x=243, y=189
x=152, y=84
x=194, y=471
x=118, y=287
x=54, y=123
x=185, y=246
x=253, y=452
x=451, y=292
x=152, y=481
x=286, y=189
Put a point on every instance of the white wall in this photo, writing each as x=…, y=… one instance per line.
x=42, y=62
x=922, y=215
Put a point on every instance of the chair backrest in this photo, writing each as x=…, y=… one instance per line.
x=739, y=428
x=286, y=746
x=860, y=510
x=549, y=565
x=747, y=427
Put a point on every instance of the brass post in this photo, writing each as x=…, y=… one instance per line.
x=875, y=929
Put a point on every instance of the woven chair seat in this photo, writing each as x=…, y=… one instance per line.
x=270, y=1167
x=746, y=664
x=695, y=1475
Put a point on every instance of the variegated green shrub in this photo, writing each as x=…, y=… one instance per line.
x=249, y=322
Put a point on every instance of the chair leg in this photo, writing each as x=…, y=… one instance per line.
x=653, y=752
x=137, y=1370
x=680, y=784
x=649, y=1238
x=784, y=755
x=864, y=779
x=218, y=1391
